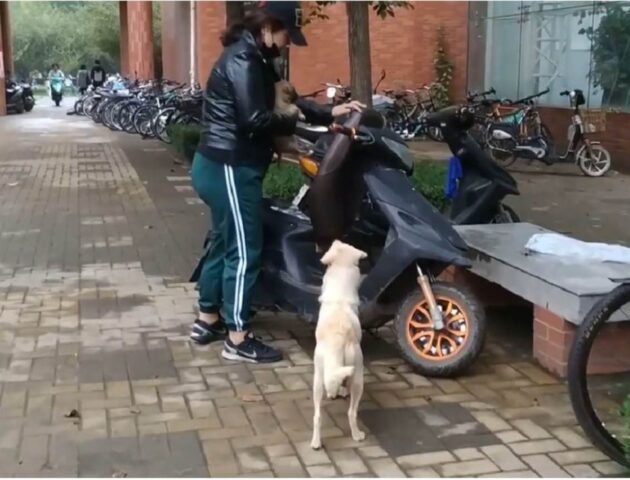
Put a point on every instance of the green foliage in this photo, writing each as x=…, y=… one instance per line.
x=625, y=416
x=284, y=180
x=71, y=33
x=443, y=67
x=185, y=139
x=67, y=33
x=382, y=9
x=610, y=51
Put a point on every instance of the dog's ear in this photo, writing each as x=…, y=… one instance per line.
x=330, y=256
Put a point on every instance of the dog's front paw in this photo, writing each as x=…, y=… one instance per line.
x=316, y=444
x=343, y=392
x=358, y=436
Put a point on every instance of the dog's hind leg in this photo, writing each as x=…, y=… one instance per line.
x=356, y=391
x=318, y=395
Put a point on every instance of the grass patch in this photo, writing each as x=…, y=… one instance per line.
x=625, y=417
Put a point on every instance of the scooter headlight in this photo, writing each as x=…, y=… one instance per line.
x=401, y=151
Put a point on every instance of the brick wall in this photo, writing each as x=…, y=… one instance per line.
x=553, y=338
x=616, y=138
x=403, y=45
x=139, y=36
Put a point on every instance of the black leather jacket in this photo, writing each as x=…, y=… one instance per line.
x=238, y=120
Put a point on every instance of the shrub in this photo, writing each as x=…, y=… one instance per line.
x=185, y=138
x=284, y=181
x=625, y=417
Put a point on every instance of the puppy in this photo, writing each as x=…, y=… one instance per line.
x=338, y=357
x=286, y=96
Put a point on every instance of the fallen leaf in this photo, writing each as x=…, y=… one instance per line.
x=148, y=227
x=74, y=413
x=14, y=184
x=251, y=398
x=135, y=410
x=119, y=475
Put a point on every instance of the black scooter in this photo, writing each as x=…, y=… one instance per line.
x=483, y=184
x=14, y=97
x=360, y=192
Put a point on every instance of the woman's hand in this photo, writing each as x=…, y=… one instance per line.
x=346, y=108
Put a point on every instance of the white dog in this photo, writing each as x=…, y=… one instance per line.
x=338, y=357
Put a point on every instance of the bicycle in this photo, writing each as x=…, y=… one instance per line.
x=610, y=437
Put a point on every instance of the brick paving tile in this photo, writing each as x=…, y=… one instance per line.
x=537, y=446
x=322, y=471
x=503, y=457
x=570, y=437
x=513, y=474
x=220, y=459
x=468, y=454
x=544, y=466
x=425, y=459
x=372, y=452
x=582, y=470
x=609, y=468
x=287, y=467
x=469, y=468
x=309, y=456
x=528, y=428
x=586, y=455
x=252, y=460
x=425, y=472
x=385, y=468
x=348, y=462
x=281, y=450
x=511, y=436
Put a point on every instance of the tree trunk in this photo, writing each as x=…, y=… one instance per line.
x=234, y=12
x=359, y=48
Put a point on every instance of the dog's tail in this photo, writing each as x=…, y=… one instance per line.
x=334, y=375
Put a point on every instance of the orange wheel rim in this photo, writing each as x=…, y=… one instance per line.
x=437, y=345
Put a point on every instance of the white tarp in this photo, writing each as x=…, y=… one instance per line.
x=563, y=246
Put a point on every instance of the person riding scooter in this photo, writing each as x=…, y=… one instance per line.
x=234, y=151
x=56, y=79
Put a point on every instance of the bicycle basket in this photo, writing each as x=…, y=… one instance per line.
x=593, y=120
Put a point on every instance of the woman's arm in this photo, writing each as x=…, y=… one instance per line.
x=246, y=74
x=315, y=113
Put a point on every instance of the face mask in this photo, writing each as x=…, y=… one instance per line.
x=270, y=52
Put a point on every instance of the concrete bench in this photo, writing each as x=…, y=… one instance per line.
x=561, y=290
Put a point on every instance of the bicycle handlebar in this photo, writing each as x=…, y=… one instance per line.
x=473, y=95
x=531, y=97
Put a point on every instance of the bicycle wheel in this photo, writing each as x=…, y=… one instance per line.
x=601, y=401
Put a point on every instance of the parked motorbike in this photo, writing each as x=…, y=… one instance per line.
x=14, y=97
x=591, y=156
x=483, y=184
x=359, y=191
x=27, y=96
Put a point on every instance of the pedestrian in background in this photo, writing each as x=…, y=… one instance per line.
x=83, y=79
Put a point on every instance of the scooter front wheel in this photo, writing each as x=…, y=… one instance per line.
x=447, y=352
x=597, y=165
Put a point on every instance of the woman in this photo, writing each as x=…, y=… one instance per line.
x=234, y=152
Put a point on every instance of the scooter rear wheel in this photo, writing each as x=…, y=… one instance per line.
x=448, y=352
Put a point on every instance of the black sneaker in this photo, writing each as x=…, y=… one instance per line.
x=203, y=334
x=251, y=350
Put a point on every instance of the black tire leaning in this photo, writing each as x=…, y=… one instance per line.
x=505, y=214
x=593, y=322
x=470, y=350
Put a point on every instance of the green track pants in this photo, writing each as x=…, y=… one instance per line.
x=232, y=261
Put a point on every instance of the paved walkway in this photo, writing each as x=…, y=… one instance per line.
x=98, y=232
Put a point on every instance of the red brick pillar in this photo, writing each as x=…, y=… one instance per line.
x=139, y=40
x=124, y=39
x=210, y=24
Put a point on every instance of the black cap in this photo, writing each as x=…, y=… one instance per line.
x=290, y=14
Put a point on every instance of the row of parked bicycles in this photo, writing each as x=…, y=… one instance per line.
x=146, y=109
x=508, y=129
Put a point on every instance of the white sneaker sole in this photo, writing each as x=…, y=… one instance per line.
x=235, y=357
